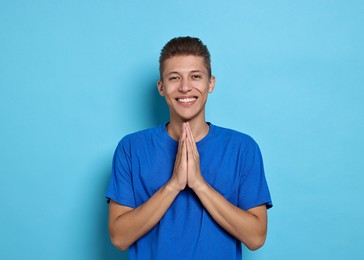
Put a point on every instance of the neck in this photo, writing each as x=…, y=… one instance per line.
x=199, y=128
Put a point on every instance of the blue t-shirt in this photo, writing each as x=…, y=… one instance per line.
x=230, y=162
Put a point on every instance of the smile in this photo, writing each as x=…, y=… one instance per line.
x=186, y=100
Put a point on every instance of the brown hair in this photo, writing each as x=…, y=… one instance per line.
x=181, y=46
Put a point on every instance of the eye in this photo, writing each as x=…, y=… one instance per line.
x=196, y=76
x=173, y=78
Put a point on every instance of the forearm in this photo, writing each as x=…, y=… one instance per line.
x=128, y=227
x=246, y=226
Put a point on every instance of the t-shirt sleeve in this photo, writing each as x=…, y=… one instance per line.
x=253, y=189
x=120, y=188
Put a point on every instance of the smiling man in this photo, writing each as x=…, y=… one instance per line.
x=187, y=189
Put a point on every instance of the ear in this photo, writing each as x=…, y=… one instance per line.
x=160, y=88
x=212, y=84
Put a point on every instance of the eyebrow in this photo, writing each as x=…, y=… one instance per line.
x=192, y=71
x=172, y=72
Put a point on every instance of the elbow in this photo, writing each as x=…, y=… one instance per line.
x=119, y=243
x=256, y=243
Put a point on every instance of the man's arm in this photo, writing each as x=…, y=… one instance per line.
x=250, y=226
x=126, y=225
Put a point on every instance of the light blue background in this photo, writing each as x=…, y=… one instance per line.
x=76, y=76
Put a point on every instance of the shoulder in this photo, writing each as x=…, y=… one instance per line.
x=234, y=136
x=142, y=134
x=141, y=138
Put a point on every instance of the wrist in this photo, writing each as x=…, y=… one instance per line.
x=199, y=185
x=173, y=186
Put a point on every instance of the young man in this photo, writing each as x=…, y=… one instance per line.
x=187, y=189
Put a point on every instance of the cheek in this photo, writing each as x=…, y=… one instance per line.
x=203, y=89
x=170, y=89
x=168, y=94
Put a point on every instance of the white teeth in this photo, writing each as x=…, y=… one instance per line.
x=186, y=100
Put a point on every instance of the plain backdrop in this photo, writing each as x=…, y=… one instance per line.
x=76, y=76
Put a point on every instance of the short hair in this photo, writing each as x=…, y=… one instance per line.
x=183, y=46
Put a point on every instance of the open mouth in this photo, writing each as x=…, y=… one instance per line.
x=186, y=100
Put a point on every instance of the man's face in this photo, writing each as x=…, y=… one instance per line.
x=185, y=85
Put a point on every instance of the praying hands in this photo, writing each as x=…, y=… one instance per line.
x=187, y=165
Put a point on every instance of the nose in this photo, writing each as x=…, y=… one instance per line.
x=184, y=86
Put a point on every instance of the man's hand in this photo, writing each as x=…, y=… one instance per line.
x=194, y=176
x=179, y=176
x=187, y=165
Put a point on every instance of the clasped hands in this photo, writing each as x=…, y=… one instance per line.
x=186, y=170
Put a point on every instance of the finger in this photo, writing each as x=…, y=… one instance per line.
x=180, y=141
x=183, y=132
x=188, y=141
x=183, y=135
x=184, y=150
x=190, y=133
x=191, y=139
